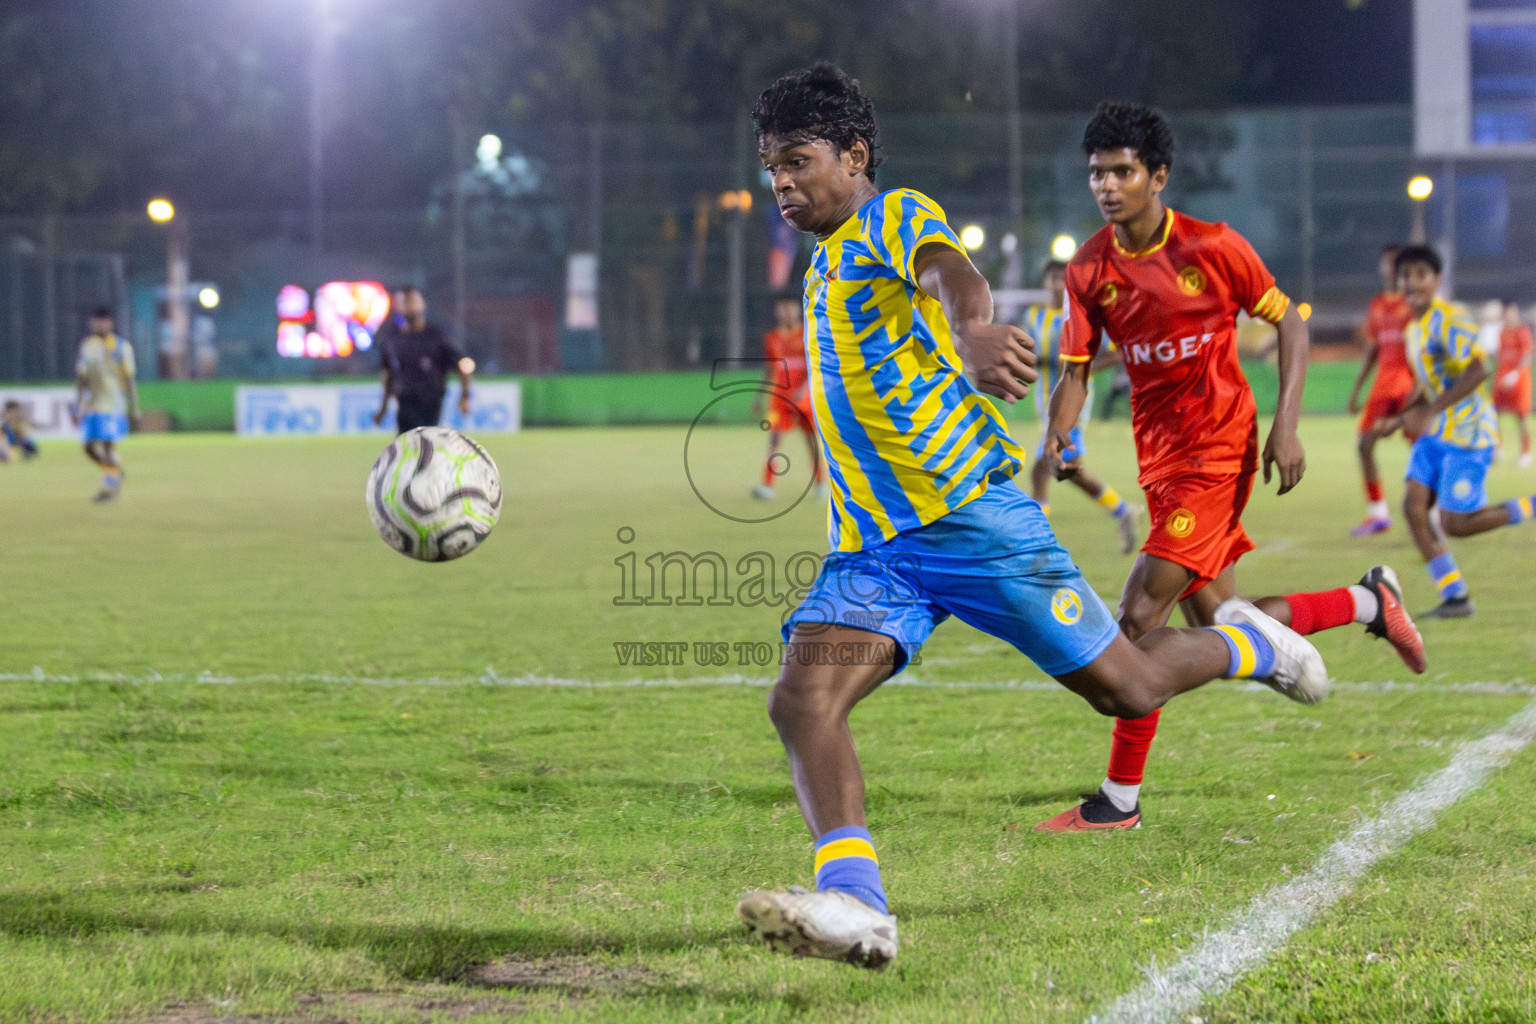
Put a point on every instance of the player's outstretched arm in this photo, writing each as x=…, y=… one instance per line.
x=1066, y=407
x=999, y=358
x=1283, y=450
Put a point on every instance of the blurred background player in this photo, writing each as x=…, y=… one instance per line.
x=107, y=397
x=1169, y=288
x=1385, y=321
x=416, y=356
x=16, y=430
x=1512, y=380
x=1456, y=427
x=789, y=397
x=1043, y=323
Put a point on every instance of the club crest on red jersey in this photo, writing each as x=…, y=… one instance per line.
x=1108, y=293
x=1180, y=524
x=1191, y=281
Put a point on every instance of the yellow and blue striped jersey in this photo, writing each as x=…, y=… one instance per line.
x=1441, y=345
x=1044, y=323
x=907, y=437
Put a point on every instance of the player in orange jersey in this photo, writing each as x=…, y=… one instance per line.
x=789, y=400
x=1168, y=289
x=1386, y=320
x=1512, y=382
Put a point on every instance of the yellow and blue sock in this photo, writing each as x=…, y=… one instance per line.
x=112, y=479
x=1520, y=509
x=845, y=861
x=1252, y=655
x=1442, y=569
x=1110, y=499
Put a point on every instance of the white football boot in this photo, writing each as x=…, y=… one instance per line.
x=1299, y=672
x=830, y=925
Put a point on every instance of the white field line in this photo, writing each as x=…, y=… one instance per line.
x=1171, y=994
x=1496, y=688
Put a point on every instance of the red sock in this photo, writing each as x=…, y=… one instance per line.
x=1129, y=748
x=1373, y=490
x=1329, y=609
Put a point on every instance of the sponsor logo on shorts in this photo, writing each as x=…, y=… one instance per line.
x=871, y=621
x=1462, y=488
x=1108, y=294
x=1180, y=524
x=1066, y=606
x=1191, y=281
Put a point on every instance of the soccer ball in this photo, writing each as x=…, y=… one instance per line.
x=434, y=494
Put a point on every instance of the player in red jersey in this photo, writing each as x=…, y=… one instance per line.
x=1167, y=289
x=1385, y=334
x=1512, y=382
x=789, y=400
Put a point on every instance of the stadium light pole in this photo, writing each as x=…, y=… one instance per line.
x=161, y=211
x=1015, y=115
x=320, y=45
x=1420, y=188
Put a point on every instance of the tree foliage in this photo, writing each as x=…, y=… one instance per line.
x=102, y=104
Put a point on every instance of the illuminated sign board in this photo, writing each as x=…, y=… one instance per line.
x=339, y=319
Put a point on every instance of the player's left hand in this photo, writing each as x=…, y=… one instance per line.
x=1061, y=459
x=463, y=405
x=1284, y=451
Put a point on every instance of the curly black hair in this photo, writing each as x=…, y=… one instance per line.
x=819, y=102
x=1117, y=125
x=1417, y=254
x=1052, y=266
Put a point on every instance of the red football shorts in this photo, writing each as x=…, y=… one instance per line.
x=1197, y=522
x=785, y=416
x=1382, y=404
x=1515, y=398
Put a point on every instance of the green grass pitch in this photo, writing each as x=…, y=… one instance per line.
x=257, y=766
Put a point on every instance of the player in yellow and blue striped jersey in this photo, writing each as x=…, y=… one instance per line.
x=1043, y=322
x=107, y=397
x=1457, y=430
x=926, y=520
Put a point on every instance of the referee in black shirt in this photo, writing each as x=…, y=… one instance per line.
x=416, y=357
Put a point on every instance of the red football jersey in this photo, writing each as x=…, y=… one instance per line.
x=788, y=346
x=1514, y=351
x=1386, y=321
x=1172, y=311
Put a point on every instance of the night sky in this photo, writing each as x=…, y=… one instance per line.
x=1319, y=52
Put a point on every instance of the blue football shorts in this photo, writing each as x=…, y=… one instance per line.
x=103, y=426
x=1458, y=476
x=1072, y=454
x=993, y=563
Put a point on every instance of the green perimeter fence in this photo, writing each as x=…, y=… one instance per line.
x=610, y=399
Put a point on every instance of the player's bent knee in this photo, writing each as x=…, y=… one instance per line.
x=1456, y=524
x=1117, y=683
x=795, y=700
